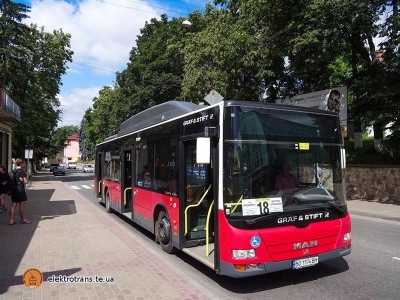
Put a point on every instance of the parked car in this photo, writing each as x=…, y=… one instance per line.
x=71, y=164
x=60, y=170
x=87, y=169
x=53, y=166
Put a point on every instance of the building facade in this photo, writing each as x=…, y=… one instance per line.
x=10, y=115
x=71, y=149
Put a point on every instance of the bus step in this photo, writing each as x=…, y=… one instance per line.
x=196, y=234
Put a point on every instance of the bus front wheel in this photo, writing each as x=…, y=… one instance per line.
x=164, y=234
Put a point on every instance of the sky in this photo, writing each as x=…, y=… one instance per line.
x=103, y=33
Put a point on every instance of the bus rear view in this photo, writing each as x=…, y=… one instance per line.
x=283, y=197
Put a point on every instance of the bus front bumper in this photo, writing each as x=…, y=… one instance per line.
x=228, y=269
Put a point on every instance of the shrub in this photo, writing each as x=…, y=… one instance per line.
x=367, y=154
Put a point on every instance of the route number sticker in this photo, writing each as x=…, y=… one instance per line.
x=261, y=206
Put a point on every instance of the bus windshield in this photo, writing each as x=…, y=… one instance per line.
x=280, y=161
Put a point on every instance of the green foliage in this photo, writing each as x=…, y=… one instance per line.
x=32, y=63
x=58, y=138
x=263, y=50
x=215, y=60
x=155, y=69
x=368, y=155
x=153, y=76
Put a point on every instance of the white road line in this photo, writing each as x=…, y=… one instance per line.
x=396, y=258
x=74, y=187
x=86, y=187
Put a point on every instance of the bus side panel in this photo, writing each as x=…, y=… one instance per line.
x=142, y=202
x=112, y=188
x=145, y=204
x=172, y=206
x=115, y=193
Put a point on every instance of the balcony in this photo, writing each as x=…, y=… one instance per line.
x=10, y=112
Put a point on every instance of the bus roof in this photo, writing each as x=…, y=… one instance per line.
x=156, y=114
x=173, y=109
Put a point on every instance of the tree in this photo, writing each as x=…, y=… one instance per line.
x=58, y=138
x=215, y=60
x=85, y=146
x=153, y=76
x=312, y=37
x=263, y=50
x=32, y=64
x=12, y=33
x=155, y=69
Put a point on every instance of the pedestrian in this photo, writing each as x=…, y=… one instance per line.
x=285, y=180
x=18, y=194
x=317, y=175
x=4, y=188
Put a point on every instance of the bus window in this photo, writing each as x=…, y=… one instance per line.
x=165, y=173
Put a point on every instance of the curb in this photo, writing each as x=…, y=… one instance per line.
x=372, y=215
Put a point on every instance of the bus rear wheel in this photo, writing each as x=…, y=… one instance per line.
x=108, y=205
x=164, y=233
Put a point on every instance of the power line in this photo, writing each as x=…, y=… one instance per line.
x=142, y=10
x=166, y=9
x=91, y=67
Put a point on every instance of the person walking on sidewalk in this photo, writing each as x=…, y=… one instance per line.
x=4, y=184
x=18, y=194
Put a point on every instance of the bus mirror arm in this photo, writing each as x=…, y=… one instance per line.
x=210, y=131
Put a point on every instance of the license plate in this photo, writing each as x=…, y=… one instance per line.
x=305, y=262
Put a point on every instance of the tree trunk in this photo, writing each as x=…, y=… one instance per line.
x=378, y=136
x=357, y=133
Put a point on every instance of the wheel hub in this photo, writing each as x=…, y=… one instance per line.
x=164, y=231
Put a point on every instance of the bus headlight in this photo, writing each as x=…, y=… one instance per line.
x=347, y=237
x=243, y=254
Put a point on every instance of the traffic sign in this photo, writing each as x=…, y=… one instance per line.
x=213, y=97
x=28, y=153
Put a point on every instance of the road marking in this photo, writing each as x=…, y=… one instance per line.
x=396, y=258
x=86, y=187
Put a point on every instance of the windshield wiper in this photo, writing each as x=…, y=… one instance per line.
x=256, y=220
x=316, y=195
x=333, y=205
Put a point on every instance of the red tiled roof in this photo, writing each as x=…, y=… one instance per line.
x=74, y=137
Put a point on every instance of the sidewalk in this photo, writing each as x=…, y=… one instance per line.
x=74, y=237
x=374, y=209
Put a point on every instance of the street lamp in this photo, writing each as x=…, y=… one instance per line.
x=187, y=24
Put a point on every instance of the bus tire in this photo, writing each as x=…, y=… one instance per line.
x=108, y=204
x=164, y=232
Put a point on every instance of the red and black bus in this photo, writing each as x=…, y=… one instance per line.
x=202, y=180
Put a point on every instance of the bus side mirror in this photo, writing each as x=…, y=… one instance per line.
x=203, y=150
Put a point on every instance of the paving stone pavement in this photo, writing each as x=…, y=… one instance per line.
x=68, y=236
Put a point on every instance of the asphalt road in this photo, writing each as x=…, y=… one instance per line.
x=371, y=271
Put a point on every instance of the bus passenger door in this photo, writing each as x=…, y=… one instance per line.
x=126, y=184
x=98, y=176
x=198, y=212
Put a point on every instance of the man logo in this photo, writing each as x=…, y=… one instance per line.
x=305, y=245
